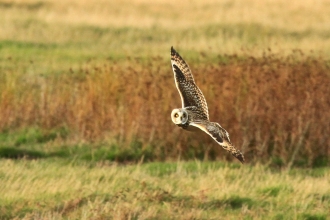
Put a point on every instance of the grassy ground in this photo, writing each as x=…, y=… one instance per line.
x=72, y=189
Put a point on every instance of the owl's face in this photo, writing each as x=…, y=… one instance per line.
x=179, y=116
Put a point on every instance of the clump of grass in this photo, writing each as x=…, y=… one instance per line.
x=317, y=216
x=14, y=153
x=237, y=202
x=35, y=135
x=273, y=107
x=274, y=191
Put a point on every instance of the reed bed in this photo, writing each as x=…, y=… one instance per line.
x=274, y=108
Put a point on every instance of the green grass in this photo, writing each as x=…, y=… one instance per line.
x=75, y=189
x=41, y=177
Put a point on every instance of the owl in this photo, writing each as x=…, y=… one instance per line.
x=194, y=113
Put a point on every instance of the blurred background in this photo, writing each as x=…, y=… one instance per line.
x=94, y=79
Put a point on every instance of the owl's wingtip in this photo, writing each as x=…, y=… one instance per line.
x=172, y=51
x=240, y=158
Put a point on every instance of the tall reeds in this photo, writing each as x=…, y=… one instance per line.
x=275, y=108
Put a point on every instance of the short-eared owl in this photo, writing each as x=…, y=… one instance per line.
x=194, y=111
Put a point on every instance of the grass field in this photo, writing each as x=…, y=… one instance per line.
x=86, y=92
x=69, y=189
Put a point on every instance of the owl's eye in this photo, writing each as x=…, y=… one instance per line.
x=176, y=115
x=184, y=115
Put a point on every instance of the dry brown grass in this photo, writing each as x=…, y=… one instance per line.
x=273, y=107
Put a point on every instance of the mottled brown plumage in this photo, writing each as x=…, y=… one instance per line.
x=194, y=111
x=190, y=94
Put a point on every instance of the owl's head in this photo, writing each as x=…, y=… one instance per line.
x=179, y=116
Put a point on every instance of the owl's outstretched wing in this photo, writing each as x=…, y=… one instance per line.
x=220, y=135
x=190, y=94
